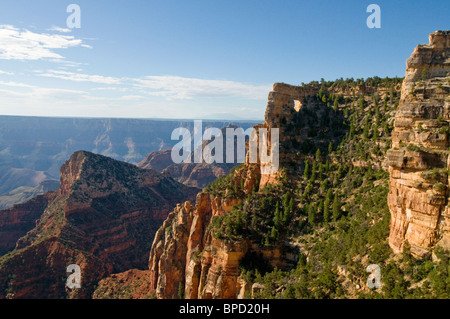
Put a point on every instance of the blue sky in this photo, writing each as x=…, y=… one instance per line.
x=194, y=58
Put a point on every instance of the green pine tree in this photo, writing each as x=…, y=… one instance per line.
x=306, y=172
x=336, y=207
x=352, y=130
x=318, y=155
x=335, y=104
x=366, y=130
x=313, y=172
x=320, y=210
x=311, y=214
x=361, y=102
x=277, y=217
x=181, y=294
x=327, y=166
x=375, y=133
x=326, y=211
x=274, y=234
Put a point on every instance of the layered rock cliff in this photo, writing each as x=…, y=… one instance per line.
x=190, y=256
x=103, y=218
x=20, y=219
x=419, y=159
x=187, y=255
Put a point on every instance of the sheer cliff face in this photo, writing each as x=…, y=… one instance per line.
x=186, y=256
x=103, y=218
x=419, y=158
x=283, y=104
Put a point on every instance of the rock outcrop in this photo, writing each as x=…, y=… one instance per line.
x=284, y=103
x=419, y=159
x=191, y=174
x=20, y=219
x=103, y=218
x=187, y=257
x=131, y=284
x=157, y=160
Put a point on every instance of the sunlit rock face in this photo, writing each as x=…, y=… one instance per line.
x=419, y=158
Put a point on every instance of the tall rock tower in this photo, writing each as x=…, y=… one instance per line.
x=419, y=160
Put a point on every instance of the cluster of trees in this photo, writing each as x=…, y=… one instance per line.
x=262, y=217
x=226, y=186
x=347, y=83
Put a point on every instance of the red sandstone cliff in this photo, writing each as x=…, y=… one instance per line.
x=103, y=218
x=18, y=220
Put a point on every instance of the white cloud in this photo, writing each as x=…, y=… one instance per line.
x=175, y=87
x=168, y=87
x=16, y=84
x=111, y=88
x=6, y=73
x=80, y=77
x=132, y=97
x=22, y=44
x=59, y=29
x=67, y=63
x=36, y=95
x=59, y=94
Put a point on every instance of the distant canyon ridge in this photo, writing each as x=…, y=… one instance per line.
x=32, y=149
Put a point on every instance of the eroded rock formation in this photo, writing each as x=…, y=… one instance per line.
x=419, y=159
x=188, y=258
x=103, y=218
x=191, y=174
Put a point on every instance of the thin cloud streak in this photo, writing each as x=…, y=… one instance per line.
x=16, y=84
x=22, y=44
x=59, y=29
x=80, y=77
x=182, y=88
x=6, y=73
x=169, y=87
